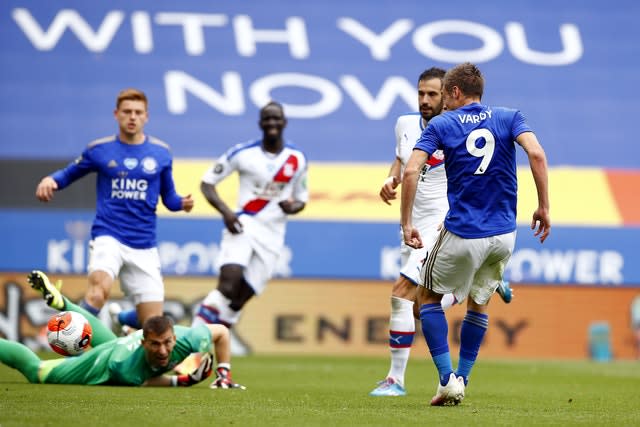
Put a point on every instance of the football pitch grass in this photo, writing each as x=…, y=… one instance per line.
x=333, y=391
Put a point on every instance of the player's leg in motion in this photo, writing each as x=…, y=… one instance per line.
x=54, y=299
x=224, y=304
x=124, y=322
x=100, y=283
x=436, y=330
x=472, y=332
x=20, y=357
x=140, y=280
x=221, y=306
x=402, y=330
x=402, y=324
x=505, y=291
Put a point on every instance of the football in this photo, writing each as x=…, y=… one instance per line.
x=69, y=333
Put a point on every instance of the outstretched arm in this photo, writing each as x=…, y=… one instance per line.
x=202, y=372
x=541, y=221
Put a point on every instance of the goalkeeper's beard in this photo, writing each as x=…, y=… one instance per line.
x=158, y=360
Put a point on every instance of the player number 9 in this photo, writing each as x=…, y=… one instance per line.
x=486, y=151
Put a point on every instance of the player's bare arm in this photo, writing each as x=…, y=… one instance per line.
x=229, y=218
x=199, y=374
x=409, y=184
x=541, y=221
x=221, y=342
x=46, y=188
x=159, y=381
x=388, y=191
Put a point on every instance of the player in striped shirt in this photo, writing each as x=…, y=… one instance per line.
x=272, y=185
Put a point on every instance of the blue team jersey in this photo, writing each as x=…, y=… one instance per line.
x=479, y=147
x=130, y=180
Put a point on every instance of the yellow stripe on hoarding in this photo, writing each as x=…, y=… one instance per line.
x=349, y=192
x=579, y=196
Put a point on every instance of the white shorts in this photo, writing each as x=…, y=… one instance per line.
x=427, y=223
x=138, y=269
x=242, y=249
x=467, y=267
x=412, y=259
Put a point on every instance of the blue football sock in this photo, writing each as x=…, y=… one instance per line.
x=129, y=318
x=474, y=327
x=91, y=309
x=436, y=330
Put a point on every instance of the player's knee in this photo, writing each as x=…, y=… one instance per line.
x=404, y=288
x=474, y=306
x=238, y=293
x=95, y=297
x=231, y=276
x=234, y=287
x=100, y=284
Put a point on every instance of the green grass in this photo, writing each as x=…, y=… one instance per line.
x=333, y=391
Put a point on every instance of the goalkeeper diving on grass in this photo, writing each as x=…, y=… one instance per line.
x=144, y=358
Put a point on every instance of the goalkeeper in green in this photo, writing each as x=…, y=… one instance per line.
x=140, y=359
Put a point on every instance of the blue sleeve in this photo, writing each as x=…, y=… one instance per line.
x=428, y=140
x=74, y=170
x=519, y=125
x=170, y=198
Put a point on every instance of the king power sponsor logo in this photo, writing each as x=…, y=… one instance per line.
x=143, y=33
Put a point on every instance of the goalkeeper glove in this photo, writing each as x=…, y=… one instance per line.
x=223, y=380
x=202, y=372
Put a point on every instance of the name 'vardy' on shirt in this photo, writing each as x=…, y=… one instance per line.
x=474, y=118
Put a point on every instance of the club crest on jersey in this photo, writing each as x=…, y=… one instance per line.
x=288, y=170
x=112, y=164
x=130, y=163
x=149, y=165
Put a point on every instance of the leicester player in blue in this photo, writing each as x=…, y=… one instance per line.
x=479, y=230
x=134, y=171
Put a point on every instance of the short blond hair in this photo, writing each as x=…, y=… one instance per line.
x=131, y=95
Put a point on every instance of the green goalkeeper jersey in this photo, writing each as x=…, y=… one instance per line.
x=122, y=361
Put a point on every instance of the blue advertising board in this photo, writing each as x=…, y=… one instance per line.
x=57, y=242
x=343, y=69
